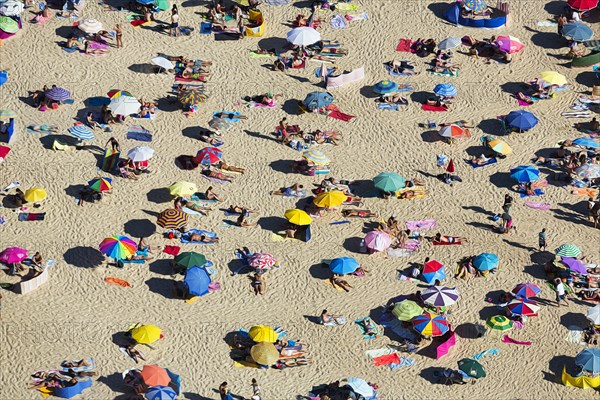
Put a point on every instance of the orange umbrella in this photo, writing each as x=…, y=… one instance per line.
x=153, y=375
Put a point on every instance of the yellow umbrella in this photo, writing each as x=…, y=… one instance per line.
x=264, y=353
x=553, y=78
x=34, y=195
x=146, y=334
x=182, y=188
x=298, y=217
x=332, y=198
x=263, y=333
x=499, y=147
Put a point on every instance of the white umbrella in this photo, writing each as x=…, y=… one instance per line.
x=449, y=43
x=303, y=36
x=361, y=387
x=11, y=8
x=162, y=62
x=90, y=26
x=124, y=105
x=140, y=153
x=593, y=315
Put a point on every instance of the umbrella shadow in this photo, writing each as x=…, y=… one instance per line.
x=48, y=140
x=536, y=271
x=185, y=162
x=139, y=228
x=320, y=271
x=291, y=107
x=27, y=100
x=486, y=312
x=83, y=257
x=74, y=190
x=168, y=104
x=283, y=166
x=163, y=287
x=272, y=223
x=421, y=96
x=238, y=266
x=193, y=132
x=512, y=87
x=519, y=245
x=260, y=136
x=548, y=40
x=352, y=244
x=469, y=330
x=144, y=68
x=66, y=32
x=116, y=385
x=159, y=195
x=364, y=188
x=368, y=92
x=280, y=45
x=555, y=368
x=433, y=375
x=151, y=213
x=494, y=295
x=476, y=151
x=569, y=319
x=439, y=9
x=502, y=180
x=161, y=267
x=481, y=225
x=491, y=126
x=96, y=101
x=587, y=78
x=431, y=137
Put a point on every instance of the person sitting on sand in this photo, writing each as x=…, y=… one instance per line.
x=242, y=220
x=321, y=137
x=336, y=282
x=89, y=119
x=448, y=239
x=327, y=318
x=296, y=190
x=217, y=175
x=37, y=260
x=359, y=213
x=257, y=281
x=211, y=195
x=226, y=167
x=196, y=237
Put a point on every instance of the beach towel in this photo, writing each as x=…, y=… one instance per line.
x=4, y=150
x=227, y=36
x=538, y=206
x=387, y=106
x=548, y=24
x=235, y=115
x=399, y=252
x=215, y=180
x=387, y=359
x=404, y=45
x=339, y=222
x=201, y=197
x=372, y=354
x=261, y=105
x=340, y=115
x=205, y=28
x=31, y=216
x=427, y=107
x=584, y=192
x=447, y=73
x=536, y=192
x=445, y=243
x=346, y=6
x=508, y=339
x=138, y=132
x=575, y=335
x=412, y=245
x=358, y=323
x=172, y=250
x=79, y=369
x=491, y=352
x=404, y=362
x=185, y=238
x=490, y=161
x=117, y=281
x=523, y=103
x=414, y=225
x=190, y=211
x=338, y=22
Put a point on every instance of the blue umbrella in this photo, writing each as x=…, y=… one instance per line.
x=445, y=89
x=521, y=120
x=343, y=265
x=475, y=5
x=3, y=77
x=577, y=31
x=145, y=2
x=175, y=380
x=160, y=393
x=586, y=142
x=384, y=87
x=589, y=360
x=525, y=173
x=72, y=391
x=58, y=94
x=486, y=261
x=197, y=280
x=81, y=132
x=316, y=100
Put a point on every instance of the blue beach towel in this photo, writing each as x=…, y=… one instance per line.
x=358, y=323
x=205, y=28
x=536, y=192
x=138, y=132
x=234, y=119
x=185, y=237
x=388, y=106
x=491, y=161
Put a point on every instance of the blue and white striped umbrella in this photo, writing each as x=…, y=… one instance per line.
x=81, y=132
x=445, y=89
x=160, y=393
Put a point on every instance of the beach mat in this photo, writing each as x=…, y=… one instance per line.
x=445, y=243
x=234, y=114
x=421, y=224
x=404, y=45
x=185, y=237
x=427, y=107
x=340, y=115
x=172, y=250
x=138, y=132
x=31, y=216
x=490, y=161
x=538, y=206
x=446, y=74
x=362, y=329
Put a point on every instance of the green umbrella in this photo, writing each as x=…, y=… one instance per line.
x=8, y=25
x=389, y=181
x=568, y=250
x=499, y=323
x=190, y=259
x=471, y=368
x=407, y=310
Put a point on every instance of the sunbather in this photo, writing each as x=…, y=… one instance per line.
x=75, y=364
x=481, y=160
x=369, y=327
x=409, y=194
x=217, y=175
x=401, y=67
x=258, y=283
x=448, y=239
x=134, y=353
x=395, y=98
x=327, y=318
x=226, y=167
x=358, y=213
x=242, y=220
x=338, y=282
x=196, y=237
x=295, y=190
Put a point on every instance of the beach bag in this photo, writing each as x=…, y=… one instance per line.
x=441, y=159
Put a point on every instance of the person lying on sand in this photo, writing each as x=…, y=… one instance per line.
x=395, y=98
x=217, y=175
x=359, y=213
x=195, y=207
x=240, y=210
x=226, y=167
x=409, y=194
x=295, y=190
x=481, y=160
x=336, y=282
x=195, y=237
x=448, y=239
x=369, y=327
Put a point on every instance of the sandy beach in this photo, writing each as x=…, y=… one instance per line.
x=76, y=314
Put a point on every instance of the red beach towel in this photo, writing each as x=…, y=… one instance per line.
x=340, y=115
x=171, y=250
x=404, y=45
x=387, y=359
x=427, y=107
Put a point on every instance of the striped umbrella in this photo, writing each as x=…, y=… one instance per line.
x=118, y=93
x=445, y=90
x=377, y=240
x=12, y=255
x=262, y=261
x=526, y=290
x=433, y=270
x=6, y=114
x=440, y=296
x=160, y=393
x=389, y=181
x=11, y=8
x=509, y=44
x=219, y=124
x=140, y=153
x=81, y=132
x=452, y=131
x=8, y=25
x=407, y=310
x=385, y=86
x=475, y=5
x=568, y=250
x=522, y=306
x=449, y=43
x=316, y=157
x=525, y=173
x=58, y=94
x=172, y=219
x=499, y=323
x=192, y=97
x=100, y=184
x=330, y=199
x=429, y=324
x=118, y=247
x=208, y=155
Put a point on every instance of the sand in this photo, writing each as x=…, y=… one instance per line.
x=77, y=313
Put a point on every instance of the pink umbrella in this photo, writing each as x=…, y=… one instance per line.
x=378, y=240
x=12, y=255
x=509, y=44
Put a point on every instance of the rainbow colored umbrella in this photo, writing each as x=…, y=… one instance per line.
x=118, y=247
x=521, y=306
x=526, y=290
x=100, y=184
x=433, y=270
x=208, y=155
x=192, y=97
x=429, y=324
x=118, y=93
x=378, y=240
x=509, y=44
x=12, y=255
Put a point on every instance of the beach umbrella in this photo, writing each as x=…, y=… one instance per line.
x=175, y=381
x=343, y=265
x=525, y=173
x=118, y=93
x=3, y=77
x=58, y=94
x=377, y=240
x=90, y=25
x=521, y=120
x=509, y=44
x=429, y=324
x=445, y=90
x=577, y=31
x=330, y=199
x=208, y=155
x=8, y=25
x=440, y=296
x=449, y=43
x=196, y=281
x=146, y=334
x=12, y=255
x=433, y=270
x=588, y=171
x=582, y=5
x=192, y=97
x=407, y=310
x=140, y=153
x=261, y=261
x=486, y=261
x=172, y=219
x=499, y=323
x=452, y=131
x=475, y=5
x=190, y=259
x=264, y=353
x=316, y=100
x=361, y=387
x=499, y=146
x=520, y=306
x=219, y=124
x=472, y=368
x=450, y=168
x=145, y=2
x=316, y=157
x=34, y=195
x=100, y=184
x=298, y=217
x=263, y=333
x=160, y=393
x=11, y=8
x=182, y=188
x=118, y=247
x=124, y=105
x=162, y=62
x=385, y=86
x=553, y=78
x=81, y=132
x=153, y=375
x=574, y=265
x=389, y=181
x=303, y=36
x=526, y=290
x=589, y=360
x=7, y=114
x=593, y=315
x=586, y=142
x=568, y=250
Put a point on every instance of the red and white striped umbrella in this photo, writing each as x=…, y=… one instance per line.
x=262, y=261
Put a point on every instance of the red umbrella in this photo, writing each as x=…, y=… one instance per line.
x=153, y=375
x=450, y=167
x=582, y=5
x=262, y=261
x=208, y=155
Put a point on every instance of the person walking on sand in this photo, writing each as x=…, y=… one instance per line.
x=174, y=21
x=255, y=391
x=224, y=392
x=542, y=240
x=114, y=144
x=560, y=292
x=119, y=35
